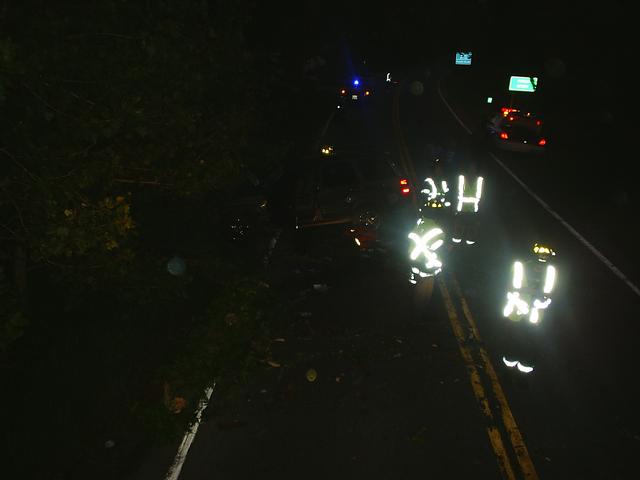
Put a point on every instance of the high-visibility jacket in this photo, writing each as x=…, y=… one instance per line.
x=530, y=294
x=425, y=239
x=469, y=194
x=436, y=193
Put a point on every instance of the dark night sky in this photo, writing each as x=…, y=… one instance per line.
x=580, y=49
x=586, y=33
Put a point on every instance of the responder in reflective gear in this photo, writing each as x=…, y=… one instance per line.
x=424, y=241
x=466, y=220
x=436, y=192
x=528, y=298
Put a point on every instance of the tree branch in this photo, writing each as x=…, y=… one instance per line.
x=13, y=159
x=143, y=182
x=18, y=211
x=14, y=235
x=103, y=34
x=47, y=104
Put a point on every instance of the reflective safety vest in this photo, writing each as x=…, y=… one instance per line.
x=530, y=299
x=435, y=193
x=469, y=194
x=425, y=239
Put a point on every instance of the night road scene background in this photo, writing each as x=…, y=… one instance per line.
x=318, y=240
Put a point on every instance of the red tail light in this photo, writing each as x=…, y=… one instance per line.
x=404, y=183
x=504, y=136
x=542, y=142
x=343, y=92
x=538, y=122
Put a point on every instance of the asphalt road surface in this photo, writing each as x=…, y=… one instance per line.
x=408, y=387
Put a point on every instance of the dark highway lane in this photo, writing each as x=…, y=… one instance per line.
x=578, y=409
x=408, y=388
x=392, y=397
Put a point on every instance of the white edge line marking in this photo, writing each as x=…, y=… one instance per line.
x=564, y=223
x=190, y=434
x=451, y=110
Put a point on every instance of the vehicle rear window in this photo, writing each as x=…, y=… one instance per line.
x=521, y=131
x=522, y=120
x=375, y=169
x=338, y=174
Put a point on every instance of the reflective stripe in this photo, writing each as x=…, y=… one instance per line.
x=518, y=275
x=524, y=368
x=550, y=279
x=474, y=200
x=509, y=363
x=515, y=302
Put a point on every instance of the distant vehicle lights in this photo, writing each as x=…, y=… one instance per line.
x=326, y=150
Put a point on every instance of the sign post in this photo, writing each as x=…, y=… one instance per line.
x=522, y=84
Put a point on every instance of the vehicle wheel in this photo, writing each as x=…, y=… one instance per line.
x=367, y=214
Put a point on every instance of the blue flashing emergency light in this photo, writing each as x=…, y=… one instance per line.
x=356, y=82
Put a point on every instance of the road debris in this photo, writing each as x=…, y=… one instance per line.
x=420, y=436
x=231, y=319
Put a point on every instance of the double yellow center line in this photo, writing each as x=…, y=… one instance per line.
x=473, y=354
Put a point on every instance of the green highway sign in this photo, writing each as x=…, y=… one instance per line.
x=523, y=84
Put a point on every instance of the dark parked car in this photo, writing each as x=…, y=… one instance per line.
x=518, y=131
x=337, y=189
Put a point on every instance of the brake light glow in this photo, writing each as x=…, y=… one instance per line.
x=343, y=91
x=506, y=111
x=404, y=183
x=538, y=122
x=504, y=136
x=542, y=142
